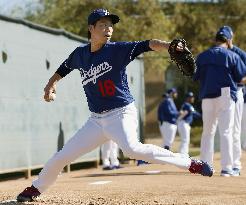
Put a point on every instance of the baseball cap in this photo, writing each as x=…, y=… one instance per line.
x=172, y=90
x=99, y=13
x=228, y=28
x=189, y=94
x=225, y=31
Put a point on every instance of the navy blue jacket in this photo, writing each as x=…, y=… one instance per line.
x=167, y=111
x=217, y=68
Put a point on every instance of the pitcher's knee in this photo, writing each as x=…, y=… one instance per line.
x=134, y=151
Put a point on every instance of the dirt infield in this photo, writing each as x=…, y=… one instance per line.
x=132, y=185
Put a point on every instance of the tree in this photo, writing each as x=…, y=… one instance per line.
x=199, y=22
x=196, y=23
x=140, y=20
x=233, y=14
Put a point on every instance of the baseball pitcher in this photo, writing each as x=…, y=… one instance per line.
x=102, y=65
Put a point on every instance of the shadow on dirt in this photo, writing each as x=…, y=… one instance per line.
x=14, y=202
x=131, y=174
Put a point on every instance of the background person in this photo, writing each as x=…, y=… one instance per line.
x=110, y=152
x=187, y=114
x=237, y=152
x=218, y=71
x=243, y=131
x=167, y=117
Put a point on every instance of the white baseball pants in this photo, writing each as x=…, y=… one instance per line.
x=168, y=133
x=219, y=111
x=237, y=152
x=184, y=132
x=119, y=125
x=110, y=154
x=243, y=126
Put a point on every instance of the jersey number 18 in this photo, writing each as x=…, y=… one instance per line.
x=107, y=87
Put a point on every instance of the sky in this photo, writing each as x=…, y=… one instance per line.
x=7, y=5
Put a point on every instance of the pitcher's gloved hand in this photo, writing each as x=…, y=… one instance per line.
x=182, y=56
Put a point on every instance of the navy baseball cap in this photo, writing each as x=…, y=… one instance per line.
x=99, y=13
x=189, y=94
x=225, y=31
x=228, y=28
x=172, y=90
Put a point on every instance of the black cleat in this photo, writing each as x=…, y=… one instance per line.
x=29, y=194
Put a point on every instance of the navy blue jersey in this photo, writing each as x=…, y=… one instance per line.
x=167, y=111
x=191, y=112
x=103, y=72
x=217, y=68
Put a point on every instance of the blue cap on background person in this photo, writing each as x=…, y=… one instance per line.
x=226, y=32
x=99, y=13
x=172, y=90
x=189, y=94
x=228, y=28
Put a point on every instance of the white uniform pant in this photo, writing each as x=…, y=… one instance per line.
x=237, y=130
x=110, y=154
x=243, y=126
x=168, y=133
x=184, y=132
x=119, y=125
x=219, y=111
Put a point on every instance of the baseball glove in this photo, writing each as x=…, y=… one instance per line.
x=183, y=59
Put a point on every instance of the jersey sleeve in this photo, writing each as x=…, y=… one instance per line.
x=130, y=50
x=69, y=64
x=138, y=48
x=172, y=109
